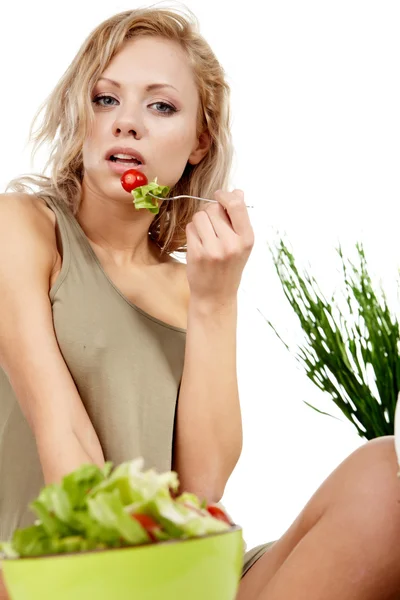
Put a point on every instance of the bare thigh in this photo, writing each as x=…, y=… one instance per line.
x=3, y=591
x=345, y=543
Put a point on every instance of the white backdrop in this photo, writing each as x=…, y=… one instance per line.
x=316, y=97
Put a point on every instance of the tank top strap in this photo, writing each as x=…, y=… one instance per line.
x=70, y=230
x=77, y=254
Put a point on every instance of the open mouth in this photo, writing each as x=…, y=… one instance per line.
x=125, y=159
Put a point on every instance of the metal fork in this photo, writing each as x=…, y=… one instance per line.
x=186, y=196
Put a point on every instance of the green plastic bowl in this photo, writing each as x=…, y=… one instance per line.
x=203, y=568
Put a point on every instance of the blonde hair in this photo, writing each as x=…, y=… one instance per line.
x=68, y=115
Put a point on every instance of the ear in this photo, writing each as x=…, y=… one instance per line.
x=201, y=149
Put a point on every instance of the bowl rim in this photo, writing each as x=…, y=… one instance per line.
x=232, y=529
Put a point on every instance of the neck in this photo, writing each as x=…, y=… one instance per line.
x=118, y=228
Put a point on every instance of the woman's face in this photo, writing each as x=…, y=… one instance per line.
x=147, y=101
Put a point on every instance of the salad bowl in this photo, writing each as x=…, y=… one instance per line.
x=201, y=568
x=123, y=534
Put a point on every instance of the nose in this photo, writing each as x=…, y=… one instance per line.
x=126, y=124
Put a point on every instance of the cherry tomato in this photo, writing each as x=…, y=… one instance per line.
x=132, y=179
x=218, y=513
x=148, y=524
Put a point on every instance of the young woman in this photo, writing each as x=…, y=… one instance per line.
x=111, y=349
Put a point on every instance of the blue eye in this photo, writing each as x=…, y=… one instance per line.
x=98, y=100
x=105, y=101
x=170, y=110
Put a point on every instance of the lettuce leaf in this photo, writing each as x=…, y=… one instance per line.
x=80, y=482
x=135, y=485
x=142, y=199
x=185, y=520
x=34, y=541
x=107, y=510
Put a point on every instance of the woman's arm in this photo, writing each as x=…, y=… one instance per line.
x=29, y=353
x=208, y=436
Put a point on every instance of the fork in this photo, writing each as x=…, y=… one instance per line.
x=186, y=196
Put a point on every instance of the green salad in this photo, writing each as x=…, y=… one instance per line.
x=136, y=183
x=97, y=508
x=142, y=199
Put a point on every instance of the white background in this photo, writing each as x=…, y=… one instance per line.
x=316, y=125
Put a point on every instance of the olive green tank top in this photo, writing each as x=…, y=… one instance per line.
x=126, y=364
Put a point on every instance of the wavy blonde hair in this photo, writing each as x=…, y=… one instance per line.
x=68, y=115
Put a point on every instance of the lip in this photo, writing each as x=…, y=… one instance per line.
x=121, y=168
x=125, y=150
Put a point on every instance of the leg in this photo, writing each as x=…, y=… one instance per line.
x=345, y=543
x=3, y=591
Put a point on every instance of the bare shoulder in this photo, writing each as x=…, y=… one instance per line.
x=26, y=219
x=28, y=207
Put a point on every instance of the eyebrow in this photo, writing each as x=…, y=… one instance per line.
x=149, y=88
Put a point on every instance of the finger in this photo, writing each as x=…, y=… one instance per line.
x=205, y=229
x=235, y=206
x=220, y=222
x=192, y=237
